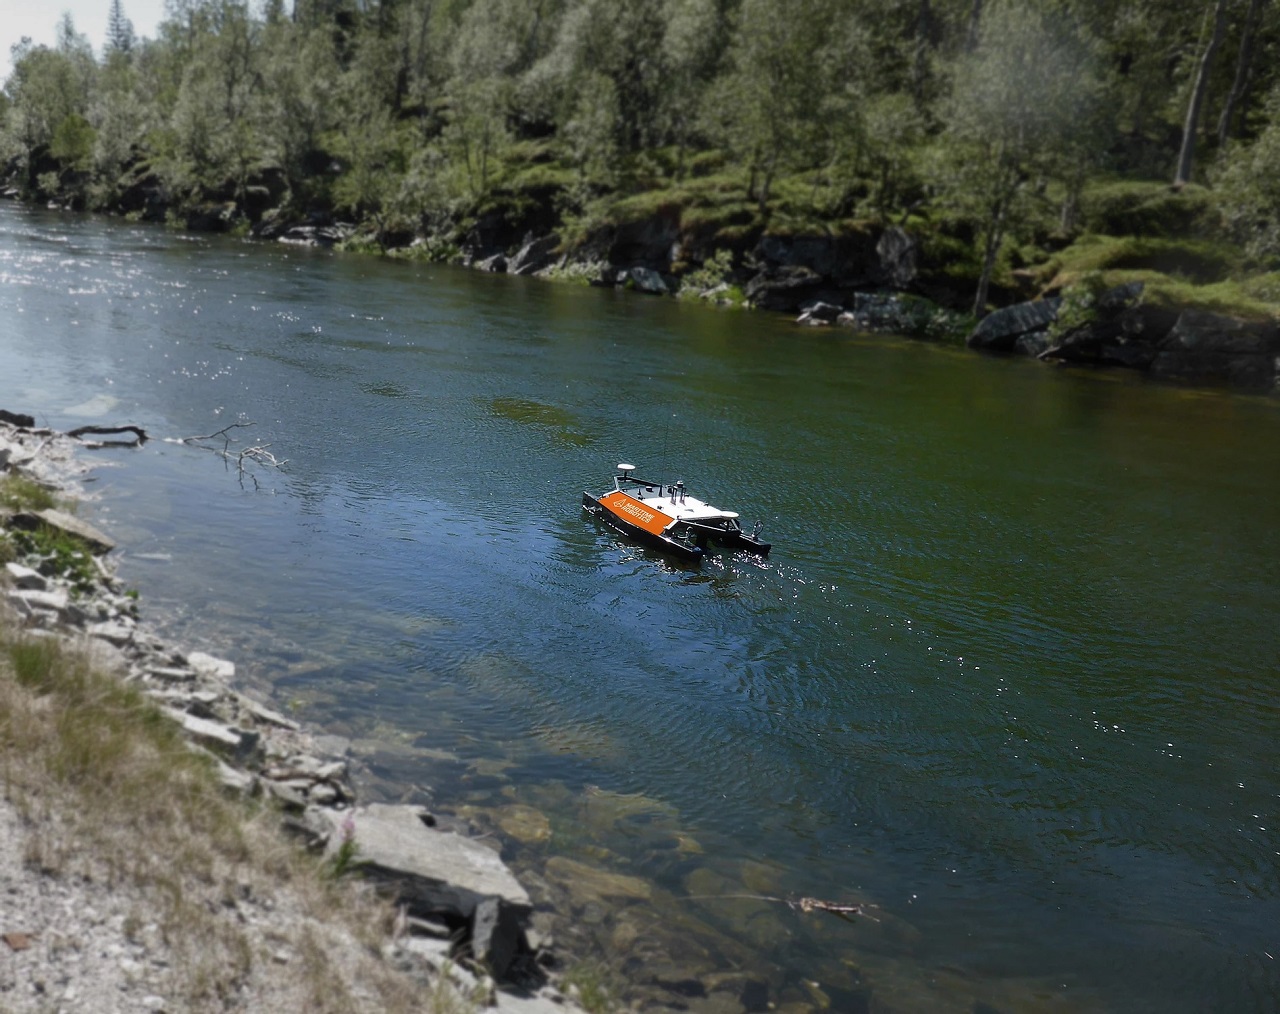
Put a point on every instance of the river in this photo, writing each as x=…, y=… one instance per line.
x=1010, y=674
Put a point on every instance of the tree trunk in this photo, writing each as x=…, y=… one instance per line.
x=1244, y=62
x=1187, y=154
x=995, y=237
x=975, y=25
x=924, y=42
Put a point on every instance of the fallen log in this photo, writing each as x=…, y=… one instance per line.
x=137, y=431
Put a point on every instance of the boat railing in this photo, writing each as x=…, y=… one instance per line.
x=663, y=488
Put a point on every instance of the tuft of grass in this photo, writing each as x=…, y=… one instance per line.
x=63, y=555
x=592, y=985
x=19, y=493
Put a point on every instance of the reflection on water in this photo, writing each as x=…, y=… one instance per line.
x=1008, y=676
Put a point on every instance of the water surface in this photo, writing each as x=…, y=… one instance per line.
x=1010, y=673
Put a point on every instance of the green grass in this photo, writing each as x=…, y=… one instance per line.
x=63, y=555
x=106, y=789
x=590, y=983
x=1149, y=208
x=1230, y=298
x=1196, y=261
x=19, y=493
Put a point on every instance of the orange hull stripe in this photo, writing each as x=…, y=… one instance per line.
x=631, y=510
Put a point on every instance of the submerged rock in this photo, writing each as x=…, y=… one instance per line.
x=590, y=884
x=525, y=824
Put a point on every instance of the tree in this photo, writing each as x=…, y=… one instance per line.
x=1248, y=188
x=1012, y=107
x=767, y=109
x=1227, y=122
x=120, y=37
x=1186, y=153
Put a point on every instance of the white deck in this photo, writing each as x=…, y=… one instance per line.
x=688, y=508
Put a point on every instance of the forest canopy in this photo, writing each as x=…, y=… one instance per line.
x=1002, y=129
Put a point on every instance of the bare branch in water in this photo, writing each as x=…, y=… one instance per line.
x=839, y=910
x=243, y=458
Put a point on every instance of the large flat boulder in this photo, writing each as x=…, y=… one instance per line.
x=97, y=541
x=438, y=874
x=1210, y=347
x=1000, y=331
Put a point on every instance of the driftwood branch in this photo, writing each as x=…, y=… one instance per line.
x=243, y=459
x=80, y=431
x=840, y=911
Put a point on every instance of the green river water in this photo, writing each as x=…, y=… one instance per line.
x=1010, y=673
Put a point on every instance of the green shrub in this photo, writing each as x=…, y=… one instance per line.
x=1079, y=304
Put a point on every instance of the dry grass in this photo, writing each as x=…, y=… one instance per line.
x=110, y=791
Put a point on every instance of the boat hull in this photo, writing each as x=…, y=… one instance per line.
x=662, y=543
x=622, y=513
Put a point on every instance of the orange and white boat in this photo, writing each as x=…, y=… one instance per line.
x=665, y=517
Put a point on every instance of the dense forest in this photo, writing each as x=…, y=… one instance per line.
x=1020, y=145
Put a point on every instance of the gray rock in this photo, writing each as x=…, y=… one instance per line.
x=54, y=601
x=240, y=782
x=497, y=931
x=1000, y=331
x=534, y=255
x=323, y=794
x=819, y=313
x=289, y=797
x=1213, y=334
x=68, y=524
x=1209, y=347
x=264, y=714
x=787, y=289
x=439, y=873
x=1036, y=343
x=214, y=735
x=648, y=280
x=897, y=252
x=170, y=674
x=117, y=632
x=105, y=657
x=208, y=666
x=25, y=578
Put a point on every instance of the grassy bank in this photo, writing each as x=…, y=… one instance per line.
x=107, y=794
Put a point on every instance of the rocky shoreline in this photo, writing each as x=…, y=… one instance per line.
x=872, y=281
x=462, y=915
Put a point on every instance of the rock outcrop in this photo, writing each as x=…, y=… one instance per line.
x=1000, y=331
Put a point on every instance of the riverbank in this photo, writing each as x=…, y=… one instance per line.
x=168, y=843
x=1137, y=290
